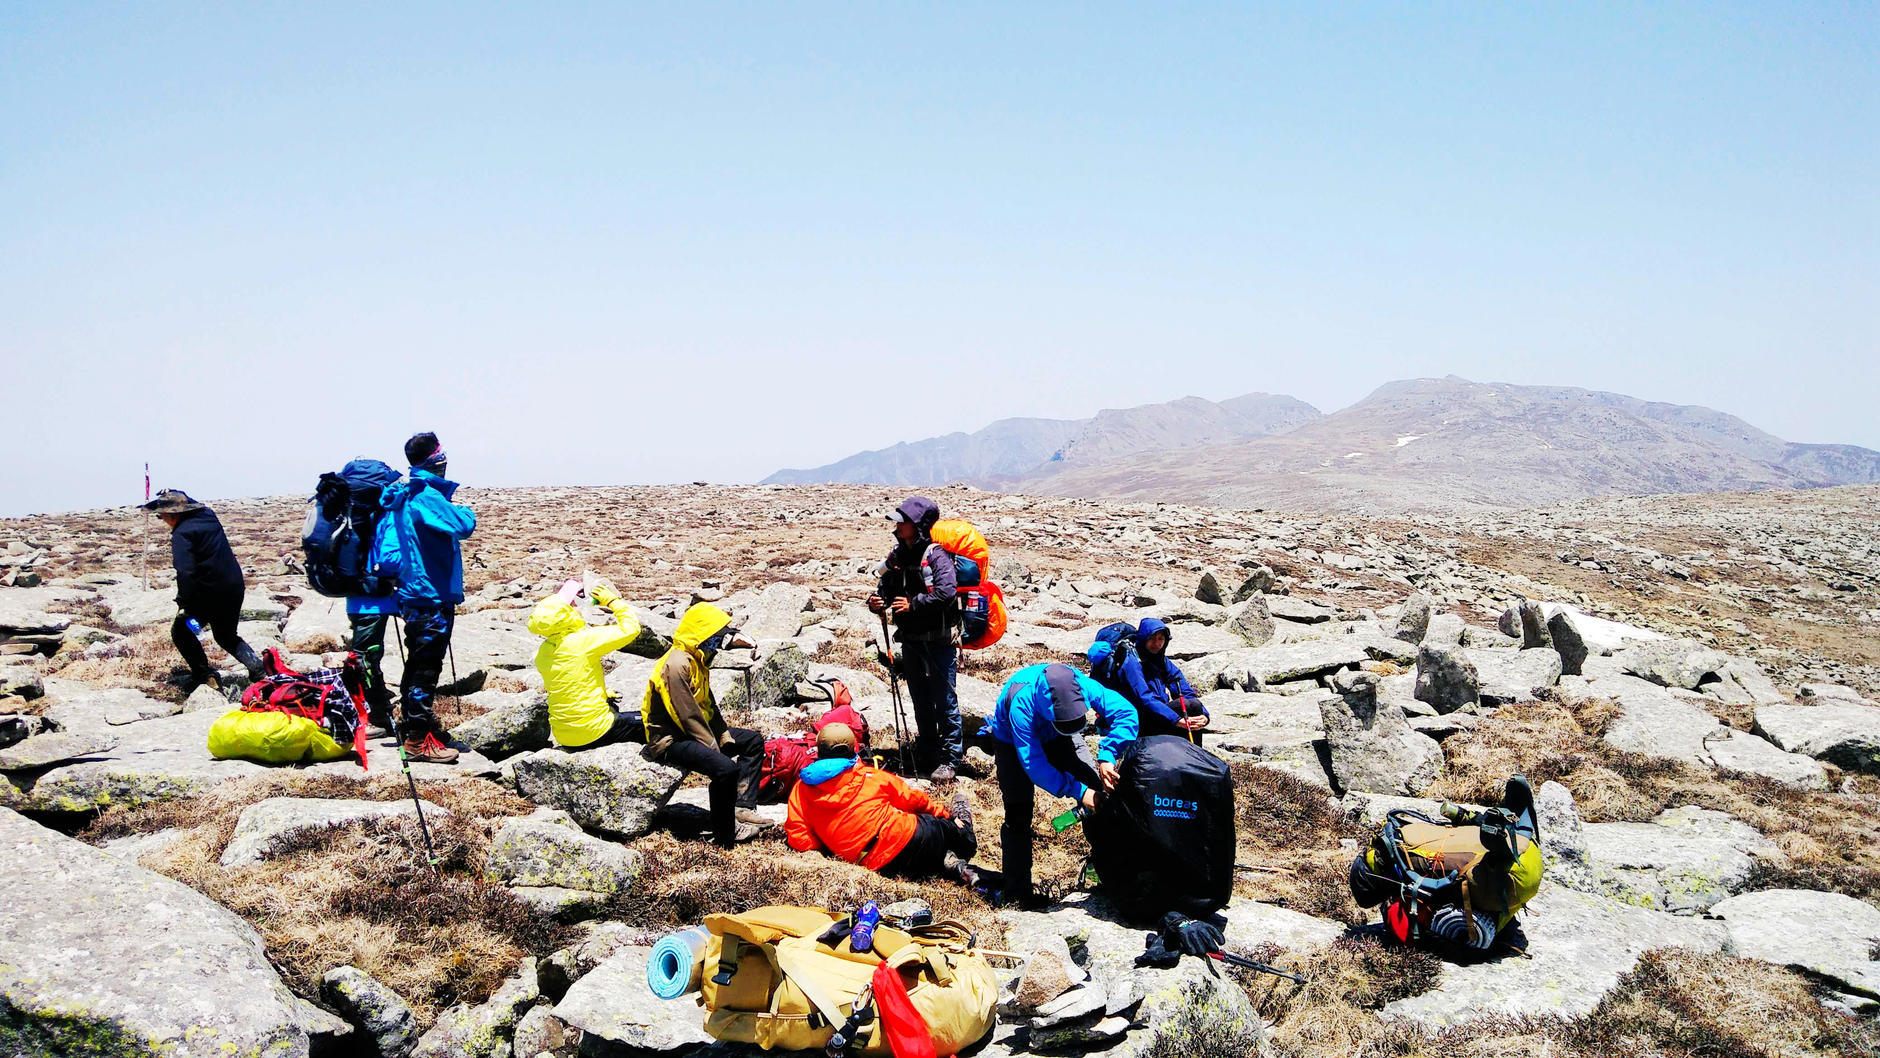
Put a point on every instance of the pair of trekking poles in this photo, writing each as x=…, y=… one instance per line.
x=894, y=691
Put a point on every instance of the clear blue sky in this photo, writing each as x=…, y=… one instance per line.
x=617, y=245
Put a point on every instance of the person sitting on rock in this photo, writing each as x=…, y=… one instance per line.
x=684, y=728
x=579, y=712
x=865, y=815
x=1165, y=702
x=1037, y=726
x=209, y=587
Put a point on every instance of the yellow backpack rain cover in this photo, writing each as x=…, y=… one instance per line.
x=786, y=991
x=271, y=737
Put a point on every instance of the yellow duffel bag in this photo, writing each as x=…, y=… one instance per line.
x=271, y=737
x=784, y=990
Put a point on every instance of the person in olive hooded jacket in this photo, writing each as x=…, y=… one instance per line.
x=685, y=730
x=579, y=712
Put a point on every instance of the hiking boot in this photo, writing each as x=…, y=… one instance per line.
x=944, y=773
x=429, y=750
x=753, y=817
x=962, y=812
x=744, y=832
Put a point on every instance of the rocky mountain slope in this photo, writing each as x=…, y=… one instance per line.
x=1014, y=449
x=1689, y=681
x=1428, y=444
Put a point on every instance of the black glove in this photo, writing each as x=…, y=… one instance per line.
x=1189, y=936
x=1156, y=955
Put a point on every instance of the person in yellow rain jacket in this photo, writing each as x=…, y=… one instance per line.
x=685, y=730
x=569, y=659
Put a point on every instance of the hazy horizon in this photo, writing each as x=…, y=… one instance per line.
x=628, y=245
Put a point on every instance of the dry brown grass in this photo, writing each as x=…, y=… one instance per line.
x=1826, y=838
x=1335, y=1011
x=362, y=894
x=144, y=660
x=1288, y=823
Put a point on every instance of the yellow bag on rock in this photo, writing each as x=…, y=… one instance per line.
x=271, y=737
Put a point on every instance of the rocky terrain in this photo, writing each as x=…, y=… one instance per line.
x=1420, y=445
x=1689, y=681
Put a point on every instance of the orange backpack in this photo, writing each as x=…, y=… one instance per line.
x=982, y=604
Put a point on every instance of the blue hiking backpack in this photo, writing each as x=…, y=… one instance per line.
x=1114, y=643
x=342, y=527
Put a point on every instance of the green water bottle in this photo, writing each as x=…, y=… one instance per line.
x=1060, y=824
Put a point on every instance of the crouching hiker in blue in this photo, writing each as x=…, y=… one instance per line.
x=1164, y=701
x=430, y=585
x=1038, y=726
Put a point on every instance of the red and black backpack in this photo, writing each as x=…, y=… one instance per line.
x=333, y=698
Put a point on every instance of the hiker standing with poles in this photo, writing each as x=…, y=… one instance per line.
x=429, y=530
x=209, y=587
x=918, y=589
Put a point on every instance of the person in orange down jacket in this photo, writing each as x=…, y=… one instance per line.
x=864, y=815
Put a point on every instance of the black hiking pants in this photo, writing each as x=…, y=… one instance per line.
x=427, y=646
x=368, y=641
x=222, y=616
x=733, y=775
x=931, y=667
x=1070, y=756
x=925, y=854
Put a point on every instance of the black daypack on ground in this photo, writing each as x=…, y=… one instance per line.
x=1163, y=840
x=342, y=521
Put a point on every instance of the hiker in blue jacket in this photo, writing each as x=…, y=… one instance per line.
x=430, y=585
x=1165, y=702
x=1037, y=727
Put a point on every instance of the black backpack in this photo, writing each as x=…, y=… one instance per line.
x=1163, y=840
x=342, y=520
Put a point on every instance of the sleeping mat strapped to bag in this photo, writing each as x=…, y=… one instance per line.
x=1163, y=840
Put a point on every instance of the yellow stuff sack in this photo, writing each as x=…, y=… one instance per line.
x=786, y=991
x=271, y=737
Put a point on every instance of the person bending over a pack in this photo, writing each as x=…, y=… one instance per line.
x=1038, y=727
x=684, y=729
x=209, y=587
x=580, y=714
x=865, y=815
x=1164, y=700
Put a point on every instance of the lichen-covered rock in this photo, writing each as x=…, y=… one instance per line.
x=612, y=788
x=99, y=956
x=517, y=723
x=265, y=826
x=1252, y=621
x=768, y=683
x=1533, y=621
x=1446, y=679
x=53, y=747
x=1507, y=676
x=1683, y=862
x=21, y=680
x=374, y=1009
x=612, y=1002
x=1374, y=749
x=1673, y=663
x=776, y=612
x=538, y=852
x=1414, y=619
x=1826, y=934
x=485, y=1030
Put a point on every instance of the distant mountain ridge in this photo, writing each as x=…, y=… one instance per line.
x=1416, y=444
x=1018, y=449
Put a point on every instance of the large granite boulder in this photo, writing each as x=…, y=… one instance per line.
x=1413, y=619
x=613, y=788
x=767, y=683
x=1842, y=733
x=317, y=625
x=99, y=956
x=1508, y=676
x=1578, y=947
x=612, y=1002
x=542, y=851
x=1827, y=935
x=511, y=724
x=776, y=612
x=1683, y=862
x=1372, y=746
x=1252, y=621
x=1446, y=679
x=484, y=1030
x=1568, y=642
x=1673, y=663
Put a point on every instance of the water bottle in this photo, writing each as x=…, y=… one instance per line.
x=1076, y=815
x=194, y=626
x=862, y=937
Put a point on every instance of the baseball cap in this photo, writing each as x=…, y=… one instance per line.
x=1068, y=707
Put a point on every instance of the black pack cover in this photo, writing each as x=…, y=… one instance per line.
x=341, y=521
x=1164, y=839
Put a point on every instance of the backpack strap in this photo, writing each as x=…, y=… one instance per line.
x=799, y=966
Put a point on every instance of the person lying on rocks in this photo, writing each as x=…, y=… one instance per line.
x=862, y=814
x=209, y=587
x=685, y=730
x=1165, y=702
x=1038, y=727
x=579, y=712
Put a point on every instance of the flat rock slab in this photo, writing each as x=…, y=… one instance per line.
x=1506, y=676
x=1288, y=608
x=1189, y=641
x=53, y=747
x=1651, y=719
x=1683, y=862
x=1250, y=922
x=1673, y=663
x=612, y=1001
x=101, y=956
x=1259, y=668
x=1840, y=732
x=1823, y=933
x=1579, y=948
x=1740, y=751
x=267, y=825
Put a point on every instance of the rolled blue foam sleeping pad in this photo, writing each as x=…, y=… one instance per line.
x=676, y=963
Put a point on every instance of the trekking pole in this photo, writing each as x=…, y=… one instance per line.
x=452, y=649
x=894, y=689
x=404, y=765
x=1245, y=963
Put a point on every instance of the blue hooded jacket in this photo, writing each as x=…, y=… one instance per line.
x=1023, y=720
x=1156, y=683
x=429, y=526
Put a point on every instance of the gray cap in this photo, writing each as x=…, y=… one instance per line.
x=1067, y=698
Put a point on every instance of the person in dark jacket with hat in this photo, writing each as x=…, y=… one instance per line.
x=1038, y=727
x=209, y=586
x=919, y=589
